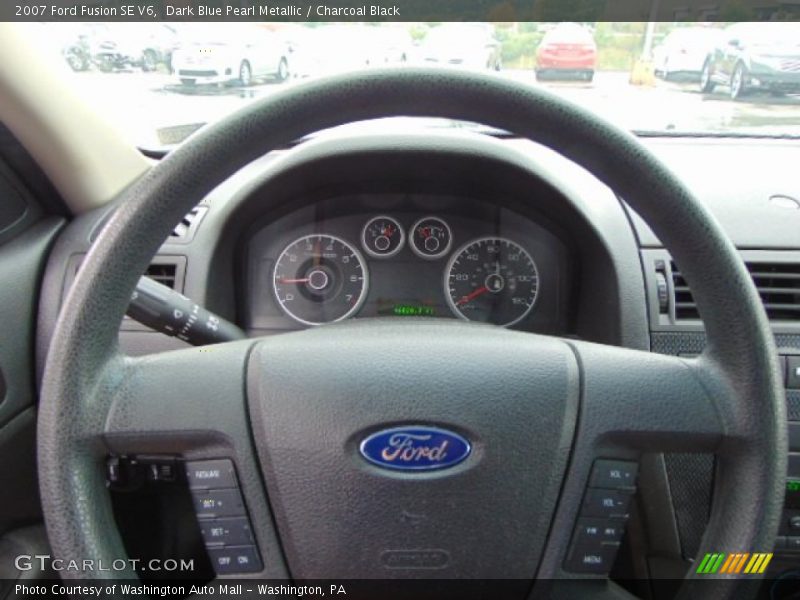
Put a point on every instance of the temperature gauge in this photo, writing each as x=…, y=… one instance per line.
x=431, y=238
x=382, y=237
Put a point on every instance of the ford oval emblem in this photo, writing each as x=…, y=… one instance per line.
x=415, y=448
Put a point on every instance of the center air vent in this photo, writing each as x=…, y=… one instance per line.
x=778, y=285
x=168, y=270
x=165, y=274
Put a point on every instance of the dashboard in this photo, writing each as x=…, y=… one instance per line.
x=406, y=255
x=413, y=226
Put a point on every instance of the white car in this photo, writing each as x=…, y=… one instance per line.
x=242, y=53
x=345, y=47
x=683, y=52
x=469, y=45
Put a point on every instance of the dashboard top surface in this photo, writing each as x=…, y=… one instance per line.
x=757, y=184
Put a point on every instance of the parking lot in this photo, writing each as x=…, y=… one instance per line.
x=146, y=103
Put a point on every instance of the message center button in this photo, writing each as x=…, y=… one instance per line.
x=210, y=474
x=592, y=558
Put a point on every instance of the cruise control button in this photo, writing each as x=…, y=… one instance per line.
x=235, y=559
x=614, y=474
x=229, y=532
x=591, y=558
x=605, y=503
x=210, y=474
x=218, y=503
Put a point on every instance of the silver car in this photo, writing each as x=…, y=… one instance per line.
x=230, y=52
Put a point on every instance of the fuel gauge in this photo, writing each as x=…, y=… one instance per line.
x=382, y=237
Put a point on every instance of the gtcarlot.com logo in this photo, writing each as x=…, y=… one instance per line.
x=744, y=563
x=26, y=562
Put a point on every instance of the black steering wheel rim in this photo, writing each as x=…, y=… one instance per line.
x=740, y=349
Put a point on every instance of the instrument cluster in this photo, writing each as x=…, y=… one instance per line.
x=490, y=266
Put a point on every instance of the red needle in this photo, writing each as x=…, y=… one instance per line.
x=284, y=280
x=317, y=253
x=472, y=295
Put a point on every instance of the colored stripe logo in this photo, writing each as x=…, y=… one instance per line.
x=734, y=563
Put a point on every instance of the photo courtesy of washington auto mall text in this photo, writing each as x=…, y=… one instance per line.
x=249, y=590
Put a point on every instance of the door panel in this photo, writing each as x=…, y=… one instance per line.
x=26, y=236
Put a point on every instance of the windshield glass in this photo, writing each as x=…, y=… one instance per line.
x=160, y=82
x=773, y=34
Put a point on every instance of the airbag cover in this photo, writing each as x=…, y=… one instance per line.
x=316, y=396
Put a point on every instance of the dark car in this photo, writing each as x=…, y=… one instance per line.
x=755, y=57
x=120, y=46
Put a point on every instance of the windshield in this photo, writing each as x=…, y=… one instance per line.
x=774, y=34
x=567, y=33
x=160, y=82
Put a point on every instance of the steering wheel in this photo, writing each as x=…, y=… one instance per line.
x=291, y=410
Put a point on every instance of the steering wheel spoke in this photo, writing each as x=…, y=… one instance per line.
x=191, y=404
x=173, y=399
x=635, y=402
x=651, y=402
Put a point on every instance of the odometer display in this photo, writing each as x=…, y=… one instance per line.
x=320, y=279
x=492, y=280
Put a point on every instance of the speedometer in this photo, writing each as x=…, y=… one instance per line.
x=320, y=279
x=493, y=280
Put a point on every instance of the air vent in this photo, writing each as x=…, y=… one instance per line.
x=165, y=274
x=168, y=270
x=778, y=285
x=183, y=232
x=185, y=229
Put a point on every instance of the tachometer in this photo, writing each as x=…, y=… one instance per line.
x=492, y=280
x=320, y=279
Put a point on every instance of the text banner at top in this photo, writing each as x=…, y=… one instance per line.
x=400, y=10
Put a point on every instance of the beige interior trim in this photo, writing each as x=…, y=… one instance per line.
x=87, y=159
